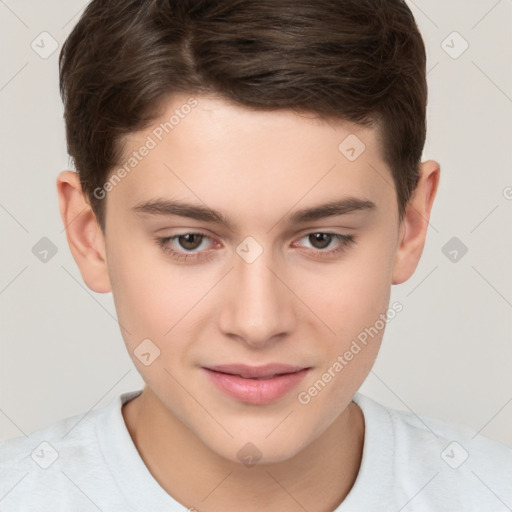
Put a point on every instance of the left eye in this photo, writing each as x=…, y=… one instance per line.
x=320, y=240
x=324, y=239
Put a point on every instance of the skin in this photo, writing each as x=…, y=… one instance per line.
x=293, y=304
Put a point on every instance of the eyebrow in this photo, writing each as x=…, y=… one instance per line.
x=166, y=207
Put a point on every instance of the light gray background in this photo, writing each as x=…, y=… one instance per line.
x=448, y=354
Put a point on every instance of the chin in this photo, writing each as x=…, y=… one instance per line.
x=259, y=451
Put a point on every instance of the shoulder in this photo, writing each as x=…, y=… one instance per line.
x=41, y=445
x=442, y=464
x=453, y=443
x=43, y=467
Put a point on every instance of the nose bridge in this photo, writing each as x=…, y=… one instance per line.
x=259, y=305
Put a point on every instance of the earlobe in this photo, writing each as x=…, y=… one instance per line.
x=84, y=235
x=413, y=230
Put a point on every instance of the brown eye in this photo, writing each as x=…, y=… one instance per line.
x=320, y=240
x=321, y=244
x=187, y=247
x=190, y=241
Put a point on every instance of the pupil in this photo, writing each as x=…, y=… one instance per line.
x=323, y=238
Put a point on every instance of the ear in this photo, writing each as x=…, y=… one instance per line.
x=413, y=228
x=84, y=235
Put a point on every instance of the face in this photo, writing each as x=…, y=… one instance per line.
x=260, y=273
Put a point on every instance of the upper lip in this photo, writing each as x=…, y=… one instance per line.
x=249, y=372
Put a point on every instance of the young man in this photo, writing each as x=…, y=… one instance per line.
x=249, y=187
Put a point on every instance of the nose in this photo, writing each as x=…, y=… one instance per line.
x=258, y=307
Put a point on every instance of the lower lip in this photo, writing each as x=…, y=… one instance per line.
x=253, y=391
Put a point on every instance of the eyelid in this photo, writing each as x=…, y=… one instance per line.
x=163, y=241
x=171, y=238
x=343, y=242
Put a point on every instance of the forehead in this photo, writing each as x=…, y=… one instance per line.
x=233, y=158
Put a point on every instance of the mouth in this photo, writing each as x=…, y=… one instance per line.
x=256, y=385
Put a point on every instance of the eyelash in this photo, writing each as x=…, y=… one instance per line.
x=345, y=242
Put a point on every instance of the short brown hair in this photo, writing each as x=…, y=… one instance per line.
x=357, y=60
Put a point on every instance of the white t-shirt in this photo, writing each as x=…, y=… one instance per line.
x=410, y=464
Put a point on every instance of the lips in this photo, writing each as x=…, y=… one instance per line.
x=256, y=372
x=256, y=385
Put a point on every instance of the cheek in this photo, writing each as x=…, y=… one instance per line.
x=353, y=303
x=350, y=295
x=152, y=302
x=147, y=296
x=157, y=299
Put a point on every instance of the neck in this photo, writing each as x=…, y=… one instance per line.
x=317, y=478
